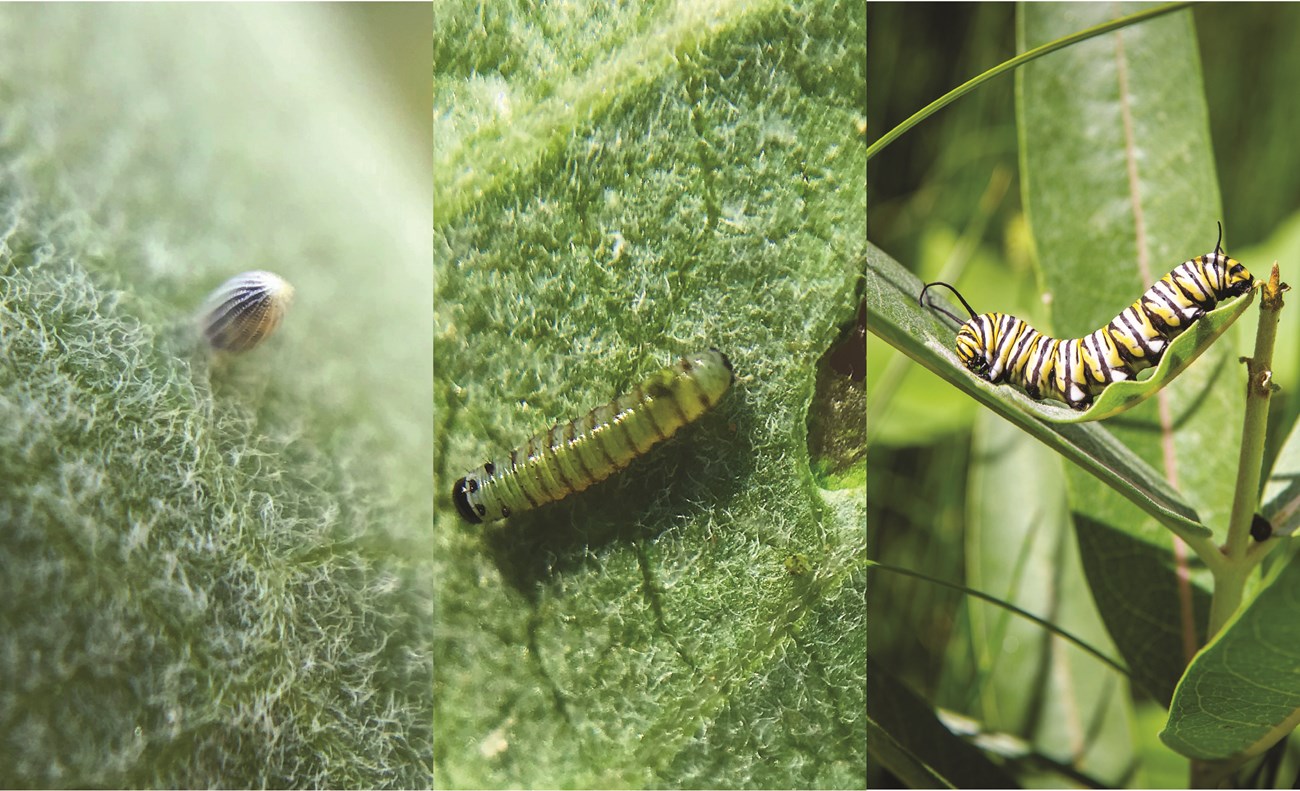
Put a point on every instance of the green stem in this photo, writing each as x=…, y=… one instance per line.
x=1006, y=66
x=1042, y=622
x=1239, y=558
x=1230, y=579
x=1229, y=588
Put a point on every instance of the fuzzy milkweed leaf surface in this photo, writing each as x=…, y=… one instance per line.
x=625, y=185
x=212, y=569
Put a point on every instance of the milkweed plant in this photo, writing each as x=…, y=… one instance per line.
x=1134, y=540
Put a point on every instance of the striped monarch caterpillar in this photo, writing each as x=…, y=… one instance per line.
x=574, y=455
x=1002, y=348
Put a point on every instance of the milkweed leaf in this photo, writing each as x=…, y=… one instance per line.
x=631, y=183
x=1241, y=693
x=214, y=573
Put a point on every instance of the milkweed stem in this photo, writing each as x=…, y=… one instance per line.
x=1009, y=65
x=1230, y=577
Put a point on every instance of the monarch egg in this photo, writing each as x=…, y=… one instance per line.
x=574, y=455
x=245, y=310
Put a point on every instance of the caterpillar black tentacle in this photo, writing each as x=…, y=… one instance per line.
x=576, y=454
x=1002, y=348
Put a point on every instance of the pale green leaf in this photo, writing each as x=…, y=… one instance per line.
x=1281, y=505
x=1021, y=550
x=216, y=572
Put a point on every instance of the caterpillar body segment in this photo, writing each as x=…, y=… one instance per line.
x=572, y=456
x=1002, y=348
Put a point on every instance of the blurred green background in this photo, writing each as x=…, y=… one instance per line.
x=393, y=38
x=945, y=197
x=215, y=571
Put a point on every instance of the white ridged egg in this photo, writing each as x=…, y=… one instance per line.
x=245, y=310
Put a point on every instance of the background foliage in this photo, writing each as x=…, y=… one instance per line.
x=620, y=184
x=214, y=572
x=956, y=495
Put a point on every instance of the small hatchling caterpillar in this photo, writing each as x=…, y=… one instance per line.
x=1002, y=348
x=574, y=455
x=244, y=311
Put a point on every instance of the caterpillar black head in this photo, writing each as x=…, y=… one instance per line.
x=1235, y=280
x=970, y=350
x=459, y=495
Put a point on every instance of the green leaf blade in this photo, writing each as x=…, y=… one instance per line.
x=1242, y=692
x=1281, y=502
x=1021, y=550
x=216, y=572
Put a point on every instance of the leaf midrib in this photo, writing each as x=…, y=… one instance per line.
x=514, y=142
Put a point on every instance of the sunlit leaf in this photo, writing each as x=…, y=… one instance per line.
x=629, y=183
x=1242, y=692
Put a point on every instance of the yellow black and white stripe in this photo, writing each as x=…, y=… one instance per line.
x=586, y=450
x=1003, y=348
x=245, y=310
